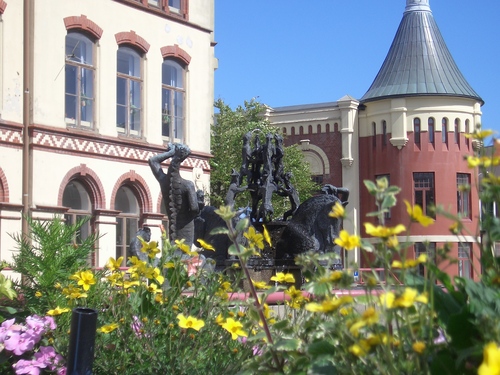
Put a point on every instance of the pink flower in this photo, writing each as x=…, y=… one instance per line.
x=31, y=367
x=193, y=264
x=19, y=343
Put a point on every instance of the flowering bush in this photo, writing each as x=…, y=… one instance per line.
x=171, y=314
x=25, y=346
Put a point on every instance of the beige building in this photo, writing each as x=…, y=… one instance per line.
x=89, y=90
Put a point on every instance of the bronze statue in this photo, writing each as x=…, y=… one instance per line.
x=179, y=195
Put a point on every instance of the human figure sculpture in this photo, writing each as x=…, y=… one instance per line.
x=288, y=190
x=234, y=189
x=179, y=195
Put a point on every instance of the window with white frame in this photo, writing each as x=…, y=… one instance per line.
x=465, y=260
x=173, y=95
x=463, y=195
x=428, y=249
x=79, y=84
x=129, y=92
x=127, y=222
x=444, y=131
x=431, y=130
x=416, y=130
x=457, y=131
x=424, y=192
x=77, y=199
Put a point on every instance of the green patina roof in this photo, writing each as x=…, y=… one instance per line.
x=418, y=62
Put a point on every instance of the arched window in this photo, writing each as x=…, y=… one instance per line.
x=76, y=197
x=128, y=91
x=444, y=131
x=384, y=133
x=127, y=221
x=416, y=130
x=467, y=131
x=173, y=95
x=457, y=131
x=79, y=85
x=431, y=130
x=374, y=132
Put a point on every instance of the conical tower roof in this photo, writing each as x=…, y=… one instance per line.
x=418, y=62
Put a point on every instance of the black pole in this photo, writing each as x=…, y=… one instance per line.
x=82, y=341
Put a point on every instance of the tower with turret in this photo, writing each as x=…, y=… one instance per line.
x=412, y=124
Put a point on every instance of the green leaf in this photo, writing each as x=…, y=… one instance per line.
x=242, y=225
x=219, y=230
x=389, y=201
x=288, y=345
x=233, y=250
x=320, y=348
x=370, y=185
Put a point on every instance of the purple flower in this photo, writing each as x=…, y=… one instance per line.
x=49, y=357
x=31, y=367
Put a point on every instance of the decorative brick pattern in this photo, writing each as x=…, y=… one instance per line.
x=10, y=136
x=97, y=147
x=84, y=24
x=130, y=37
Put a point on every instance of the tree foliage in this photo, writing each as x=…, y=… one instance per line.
x=226, y=141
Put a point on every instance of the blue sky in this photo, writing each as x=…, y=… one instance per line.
x=288, y=52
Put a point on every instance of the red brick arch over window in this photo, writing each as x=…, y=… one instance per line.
x=88, y=178
x=138, y=186
x=175, y=52
x=3, y=5
x=84, y=24
x=4, y=188
x=130, y=37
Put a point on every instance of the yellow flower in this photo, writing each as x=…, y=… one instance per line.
x=185, y=247
x=359, y=350
x=255, y=239
x=169, y=265
x=38, y=294
x=219, y=319
x=205, y=245
x=296, y=298
x=491, y=360
x=190, y=322
x=383, y=232
x=481, y=134
x=260, y=284
x=416, y=214
x=418, y=347
x=108, y=328
x=281, y=277
x=338, y=211
x=328, y=304
x=335, y=276
x=85, y=279
x=409, y=263
x=57, y=311
x=347, y=241
x=114, y=265
x=387, y=299
x=409, y=297
x=455, y=228
x=235, y=328
x=73, y=292
x=267, y=237
x=150, y=248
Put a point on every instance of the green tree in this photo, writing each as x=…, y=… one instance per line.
x=226, y=141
